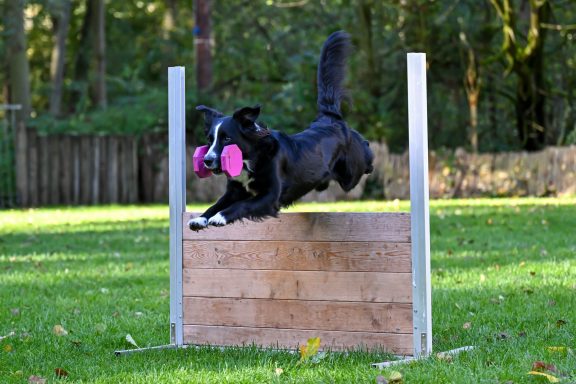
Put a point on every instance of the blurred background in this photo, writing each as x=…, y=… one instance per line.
x=83, y=100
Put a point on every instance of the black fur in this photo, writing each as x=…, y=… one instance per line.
x=280, y=168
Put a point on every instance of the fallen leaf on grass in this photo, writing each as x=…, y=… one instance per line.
x=310, y=349
x=542, y=366
x=59, y=330
x=467, y=325
x=15, y=311
x=60, y=372
x=100, y=328
x=278, y=371
x=8, y=348
x=381, y=380
x=76, y=343
x=7, y=336
x=36, y=380
x=131, y=340
x=395, y=377
x=551, y=378
x=447, y=357
x=532, y=273
x=559, y=349
x=560, y=323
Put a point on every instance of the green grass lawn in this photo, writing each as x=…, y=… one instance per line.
x=503, y=278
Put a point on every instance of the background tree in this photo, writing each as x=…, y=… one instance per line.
x=527, y=63
x=18, y=85
x=116, y=53
x=60, y=14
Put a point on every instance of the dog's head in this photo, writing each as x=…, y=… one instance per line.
x=241, y=129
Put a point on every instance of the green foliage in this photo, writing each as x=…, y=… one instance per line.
x=266, y=52
x=129, y=115
x=571, y=138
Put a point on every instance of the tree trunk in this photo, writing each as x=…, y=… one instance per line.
x=472, y=85
x=366, y=41
x=79, y=94
x=203, y=33
x=99, y=36
x=18, y=87
x=61, y=23
x=527, y=63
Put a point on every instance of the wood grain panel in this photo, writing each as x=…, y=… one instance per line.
x=399, y=343
x=333, y=226
x=300, y=285
x=325, y=315
x=303, y=256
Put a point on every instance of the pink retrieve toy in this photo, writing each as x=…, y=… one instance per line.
x=230, y=161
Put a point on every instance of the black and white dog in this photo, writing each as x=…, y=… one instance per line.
x=278, y=168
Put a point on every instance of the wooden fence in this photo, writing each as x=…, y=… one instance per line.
x=65, y=169
x=91, y=169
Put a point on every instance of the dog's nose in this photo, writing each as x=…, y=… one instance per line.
x=209, y=161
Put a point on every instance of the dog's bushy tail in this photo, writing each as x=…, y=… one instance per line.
x=331, y=73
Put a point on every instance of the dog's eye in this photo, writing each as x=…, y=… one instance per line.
x=226, y=139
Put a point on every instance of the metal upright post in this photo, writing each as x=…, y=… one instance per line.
x=420, y=217
x=177, y=183
x=177, y=197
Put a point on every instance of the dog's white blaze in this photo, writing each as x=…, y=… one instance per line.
x=217, y=219
x=199, y=221
x=211, y=149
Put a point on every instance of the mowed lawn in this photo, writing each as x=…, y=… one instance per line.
x=503, y=278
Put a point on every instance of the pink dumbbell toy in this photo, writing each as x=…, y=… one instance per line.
x=230, y=161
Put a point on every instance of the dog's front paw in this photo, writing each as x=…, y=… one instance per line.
x=218, y=220
x=198, y=223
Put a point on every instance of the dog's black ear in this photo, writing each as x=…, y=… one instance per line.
x=247, y=115
x=209, y=116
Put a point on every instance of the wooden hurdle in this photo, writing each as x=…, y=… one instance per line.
x=356, y=280
x=353, y=279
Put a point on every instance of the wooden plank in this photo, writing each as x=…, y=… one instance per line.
x=112, y=181
x=103, y=184
x=86, y=168
x=95, y=180
x=44, y=167
x=333, y=226
x=299, y=314
x=33, y=167
x=303, y=256
x=54, y=169
x=301, y=285
x=76, y=173
x=135, y=183
x=399, y=343
x=123, y=169
x=66, y=170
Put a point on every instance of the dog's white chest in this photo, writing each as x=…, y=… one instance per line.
x=245, y=179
